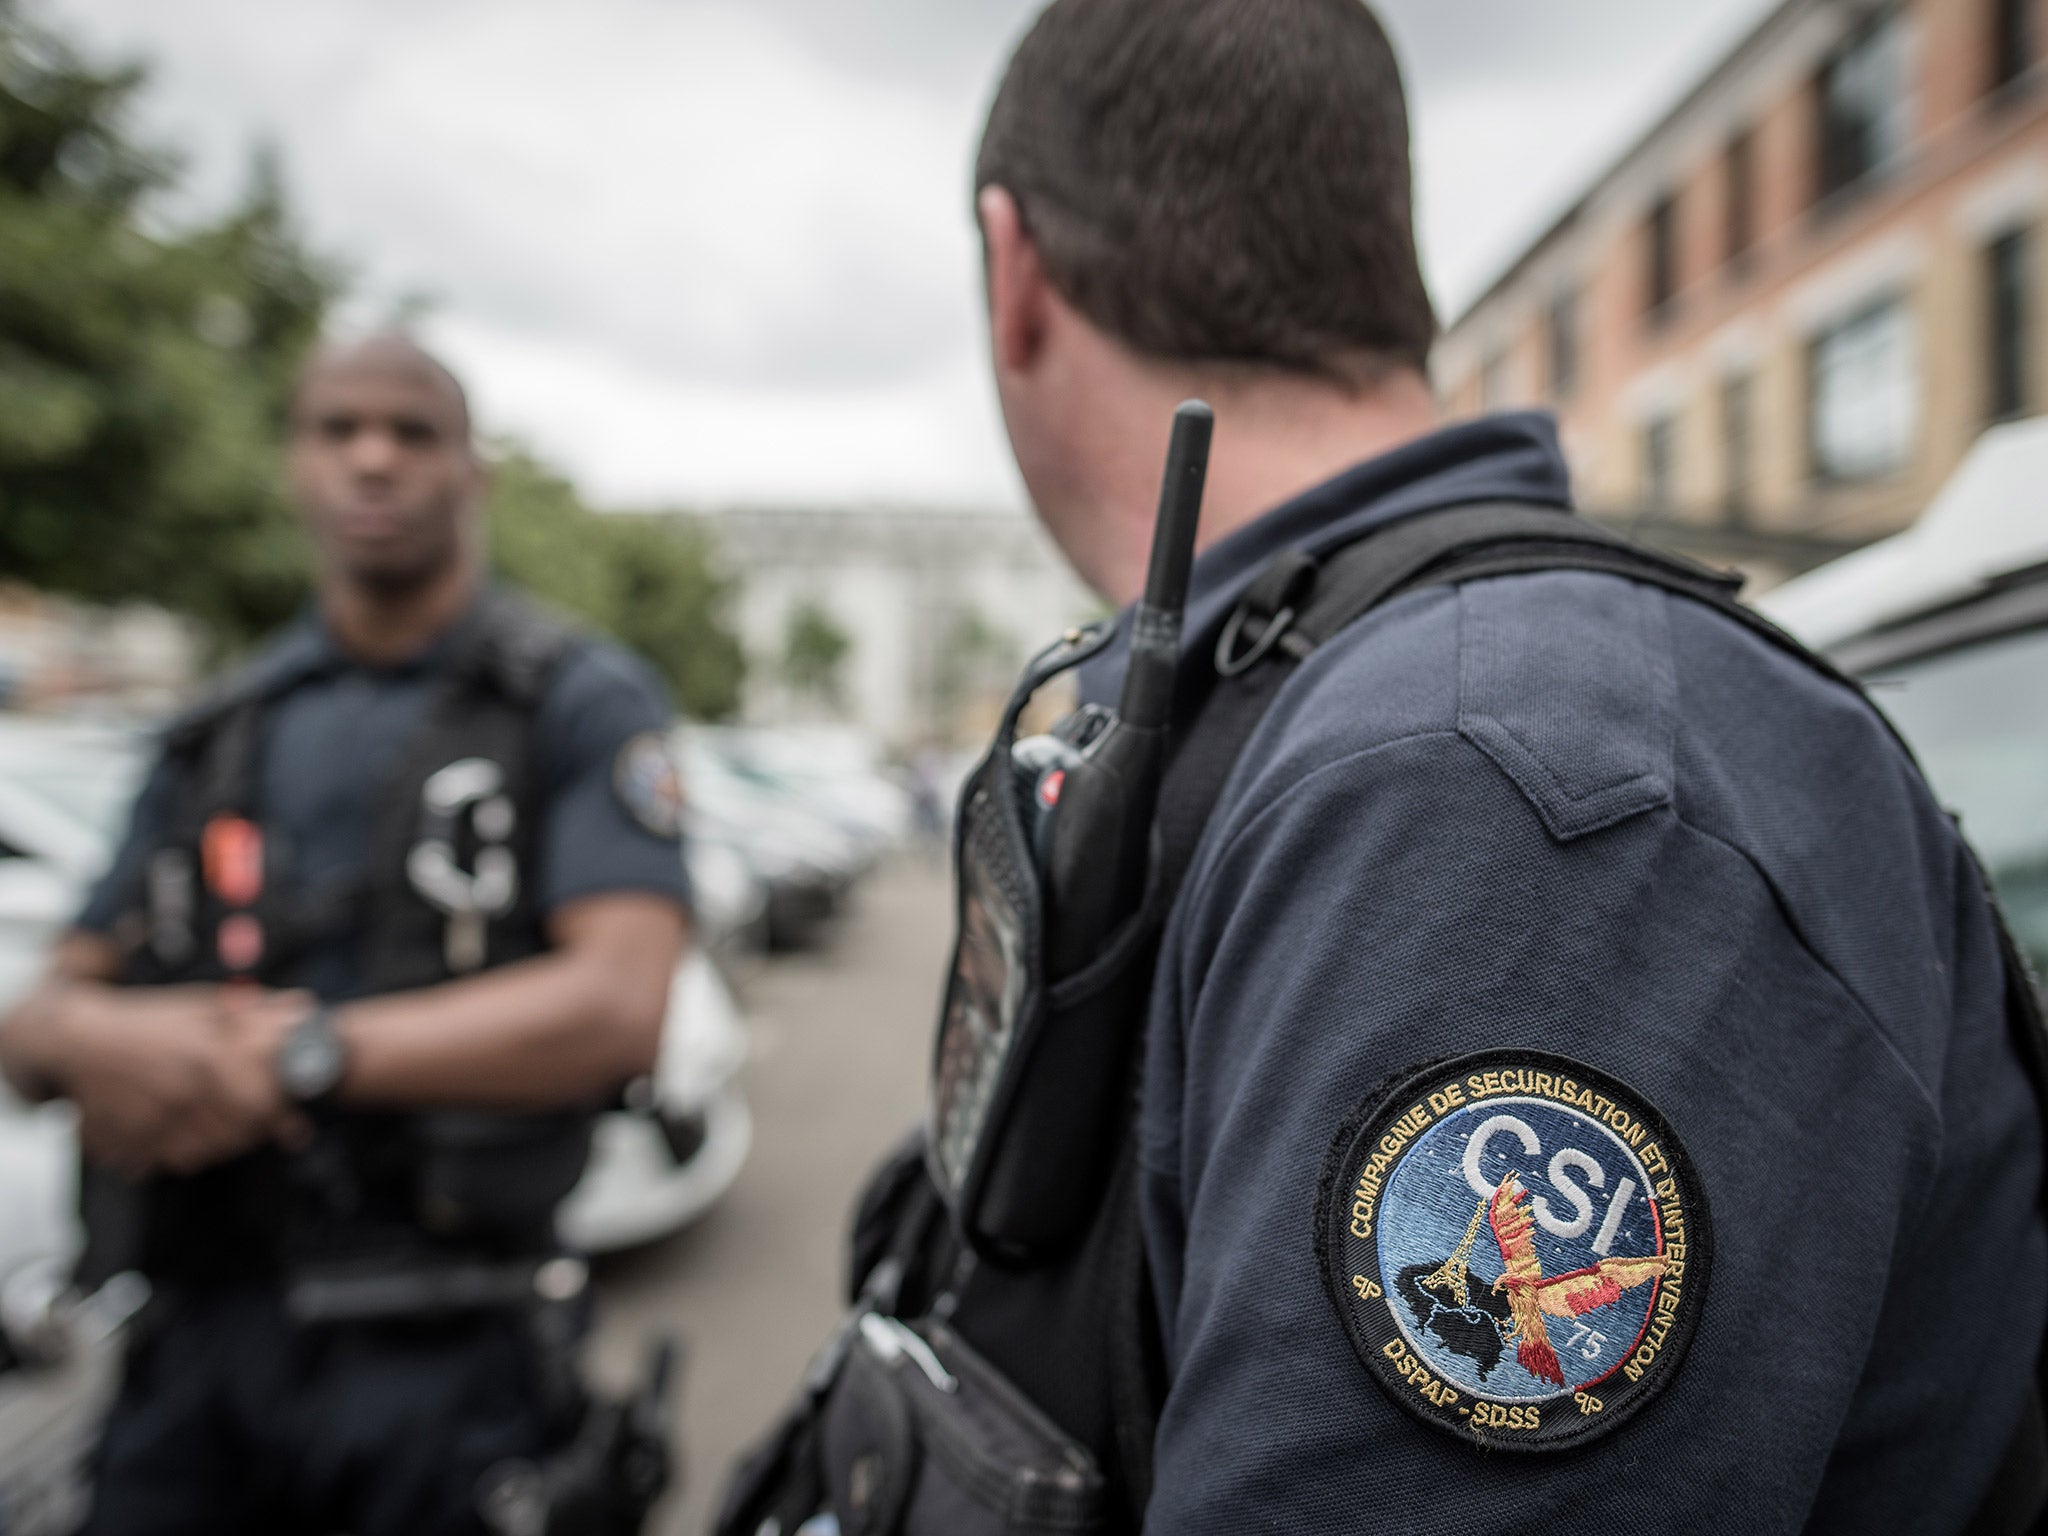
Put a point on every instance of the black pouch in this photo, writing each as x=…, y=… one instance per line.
x=920, y=1436
x=1022, y=1172
x=896, y=1255
x=495, y=1176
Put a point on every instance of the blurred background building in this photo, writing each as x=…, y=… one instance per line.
x=1770, y=328
x=912, y=622
x=1776, y=324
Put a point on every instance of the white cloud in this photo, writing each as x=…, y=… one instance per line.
x=933, y=439
x=707, y=250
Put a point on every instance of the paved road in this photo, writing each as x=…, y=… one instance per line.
x=840, y=1038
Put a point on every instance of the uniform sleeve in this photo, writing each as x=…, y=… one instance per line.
x=120, y=890
x=613, y=804
x=1405, y=906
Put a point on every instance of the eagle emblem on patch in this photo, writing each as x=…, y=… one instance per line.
x=645, y=779
x=1517, y=1245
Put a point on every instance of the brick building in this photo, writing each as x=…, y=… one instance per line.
x=1777, y=323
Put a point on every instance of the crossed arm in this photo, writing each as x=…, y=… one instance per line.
x=179, y=1078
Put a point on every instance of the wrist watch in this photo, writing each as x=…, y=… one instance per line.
x=312, y=1058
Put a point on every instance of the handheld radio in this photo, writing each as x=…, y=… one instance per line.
x=1094, y=781
x=1056, y=934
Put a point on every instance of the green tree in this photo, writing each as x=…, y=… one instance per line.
x=541, y=536
x=814, y=651
x=974, y=658
x=646, y=580
x=145, y=385
x=672, y=607
x=144, y=376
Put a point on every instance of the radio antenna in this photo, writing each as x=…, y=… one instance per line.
x=1156, y=623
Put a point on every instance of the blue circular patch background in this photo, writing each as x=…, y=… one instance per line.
x=1616, y=1225
x=1428, y=1205
x=645, y=778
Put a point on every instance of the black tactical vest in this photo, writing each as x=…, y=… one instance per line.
x=445, y=889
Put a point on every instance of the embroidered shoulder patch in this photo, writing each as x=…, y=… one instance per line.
x=1518, y=1247
x=644, y=777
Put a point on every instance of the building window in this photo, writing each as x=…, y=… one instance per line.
x=1864, y=105
x=2007, y=317
x=1741, y=194
x=1737, y=468
x=2012, y=41
x=1660, y=464
x=1663, y=256
x=1863, y=395
x=1563, y=326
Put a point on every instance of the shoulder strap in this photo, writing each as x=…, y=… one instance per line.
x=1298, y=603
x=1137, y=1353
x=280, y=666
x=217, y=739
x=513, y=644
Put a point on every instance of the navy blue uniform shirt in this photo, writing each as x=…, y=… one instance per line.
x=330, y=743
x=1571, y=814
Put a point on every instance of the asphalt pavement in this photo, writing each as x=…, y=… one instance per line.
x=840, y=1037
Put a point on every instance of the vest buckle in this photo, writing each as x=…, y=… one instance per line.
x=1271, y=604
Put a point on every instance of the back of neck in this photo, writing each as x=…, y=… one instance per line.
x=1279, y=437
x=1276, y=436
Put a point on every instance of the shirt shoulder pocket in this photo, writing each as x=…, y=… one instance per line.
x=1566, y=681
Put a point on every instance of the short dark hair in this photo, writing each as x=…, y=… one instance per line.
x=395, y=348
x=1219, y=180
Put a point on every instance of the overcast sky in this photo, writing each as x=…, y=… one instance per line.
x=709, y=251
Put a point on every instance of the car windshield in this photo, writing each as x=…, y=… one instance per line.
x=1978, y=718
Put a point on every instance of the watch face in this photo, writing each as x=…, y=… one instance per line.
x=310, y=1061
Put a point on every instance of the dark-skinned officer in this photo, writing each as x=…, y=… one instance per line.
x=397, y=912
x=1579, y=1087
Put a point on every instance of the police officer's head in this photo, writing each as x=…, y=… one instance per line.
x=382, y=464
x=1193, y=194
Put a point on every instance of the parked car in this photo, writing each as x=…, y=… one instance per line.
x=730, y=900
x=661, y=1159
x=806, y=860
x=58, y=1354
x=1947, y=623
x=59, y=1365
x=63, y=791
x=837, y=771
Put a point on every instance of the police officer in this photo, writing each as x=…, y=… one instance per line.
x=397, y=912
x=1579, y=1086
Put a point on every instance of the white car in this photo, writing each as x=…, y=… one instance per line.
x=806, y=860
x=676, y=1146
x=1947, y=624
x=660, y=1160
x=836, y=770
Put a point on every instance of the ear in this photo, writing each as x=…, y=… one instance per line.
x=1018, y=294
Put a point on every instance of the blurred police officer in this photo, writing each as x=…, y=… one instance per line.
x=396, y=914
x=1581, y=1086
